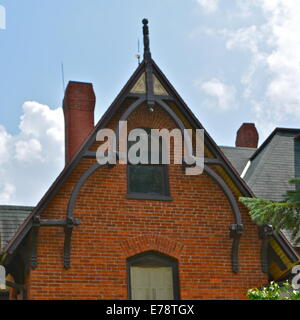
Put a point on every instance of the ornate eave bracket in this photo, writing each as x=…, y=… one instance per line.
x=34, y=236
x=236, y=231
x=68, y=226
x=264, y=232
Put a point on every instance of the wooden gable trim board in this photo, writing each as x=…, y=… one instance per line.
x=287, y=256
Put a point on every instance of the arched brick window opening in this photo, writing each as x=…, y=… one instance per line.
x=152, y=276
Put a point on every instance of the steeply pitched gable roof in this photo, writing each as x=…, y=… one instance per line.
x=234, y=175
x=153, y=78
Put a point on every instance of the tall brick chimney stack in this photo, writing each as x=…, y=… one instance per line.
x=247, y=136
x=78, y=105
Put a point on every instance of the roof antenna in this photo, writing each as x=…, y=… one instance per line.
x=63, y=77
x=138, y=56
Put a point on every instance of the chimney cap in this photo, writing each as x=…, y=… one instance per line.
x=247, y=136
x=79, y=91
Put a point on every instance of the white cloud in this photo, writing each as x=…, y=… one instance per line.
x=31, y=159
x=4, y=145
x=2, y=17
x=243, y=38
x=28, y=150
x=223, y=95
x=245, y=9
x=282, y=93
x=271, y=82
x=7, y=191
x=209, y=6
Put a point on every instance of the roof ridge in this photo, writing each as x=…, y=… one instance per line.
x=232, y=147
x=270, y=136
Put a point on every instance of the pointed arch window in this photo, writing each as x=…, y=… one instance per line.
x=153, y=276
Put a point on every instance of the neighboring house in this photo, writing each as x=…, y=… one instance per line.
x=11, y=217
x=268, y=168
x=139, y=231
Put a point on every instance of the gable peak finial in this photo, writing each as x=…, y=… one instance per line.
x=147, y=53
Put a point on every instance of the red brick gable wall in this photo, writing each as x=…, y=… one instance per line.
x=192, y=228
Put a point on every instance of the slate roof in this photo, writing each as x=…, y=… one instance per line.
x=11, y=217
x=273, y=164
x=238, y=156
x=288, y=235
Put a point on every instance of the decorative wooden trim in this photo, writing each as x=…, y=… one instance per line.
x=20, y=289
x=236, y=231
x=264, y=232
x=67, y=224
x=34, y=238
x=67, y=243
x=228, y=193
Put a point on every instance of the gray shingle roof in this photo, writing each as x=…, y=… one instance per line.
x=288, y=235
x=277, y=161
x=11, y=217
x=238, y=156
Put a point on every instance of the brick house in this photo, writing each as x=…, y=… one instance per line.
x=137, y=231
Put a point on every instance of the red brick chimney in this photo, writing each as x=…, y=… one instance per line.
x=247, y=136
x=78, y=105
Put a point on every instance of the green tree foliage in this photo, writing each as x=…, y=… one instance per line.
x=274, y=292
x=281, y=215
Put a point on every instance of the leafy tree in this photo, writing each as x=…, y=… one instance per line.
x=281, y=215
x=274, y=292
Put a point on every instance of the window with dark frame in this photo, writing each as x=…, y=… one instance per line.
x=152, y=276
x=148, y=181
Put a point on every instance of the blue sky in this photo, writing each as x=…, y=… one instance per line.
x=231, y=61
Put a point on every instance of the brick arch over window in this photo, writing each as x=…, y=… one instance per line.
x=144, y=243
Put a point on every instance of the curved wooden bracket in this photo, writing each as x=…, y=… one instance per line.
x=68, y=226
x=265, y=231
x=67, y=243
x=236, y=231
x=34, y=236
